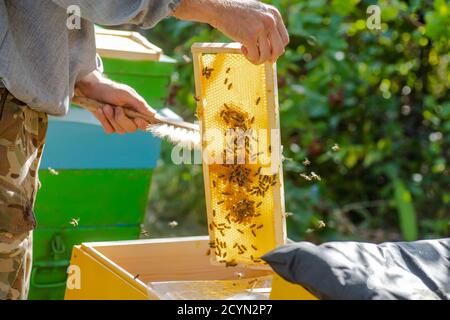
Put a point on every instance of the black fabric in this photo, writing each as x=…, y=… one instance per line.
x=363, y=271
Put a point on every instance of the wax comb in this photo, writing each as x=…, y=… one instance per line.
x=244, y=199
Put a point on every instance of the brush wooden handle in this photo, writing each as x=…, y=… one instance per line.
x=93, y=105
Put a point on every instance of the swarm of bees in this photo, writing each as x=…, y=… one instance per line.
x=241, y=188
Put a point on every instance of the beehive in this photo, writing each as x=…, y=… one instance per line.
x=238, y=112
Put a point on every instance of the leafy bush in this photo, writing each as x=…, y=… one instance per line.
x=380, y=97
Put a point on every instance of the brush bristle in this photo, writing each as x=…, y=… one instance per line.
x=184, y=137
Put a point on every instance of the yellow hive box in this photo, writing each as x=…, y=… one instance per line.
x=124, y=269
x=239, y=122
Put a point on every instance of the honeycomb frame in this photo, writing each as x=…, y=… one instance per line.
x=254, y=94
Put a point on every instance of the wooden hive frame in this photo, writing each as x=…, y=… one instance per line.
x=279, y=223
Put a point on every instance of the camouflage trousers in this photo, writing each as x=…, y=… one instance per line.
x=22, y=135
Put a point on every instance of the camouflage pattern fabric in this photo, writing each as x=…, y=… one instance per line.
x=22, y=136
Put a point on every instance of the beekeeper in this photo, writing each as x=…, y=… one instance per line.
x=44, y=59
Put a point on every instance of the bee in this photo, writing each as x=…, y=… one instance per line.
x=214, y=183
x=315, y=176
x=231, y=263
x=335, y=147
x=53, y=171
x=257, y=100
x=214, y=213
x=252, y=226
x=259, y=204
x=243, y=247
x=288, y=214
x=235, y=245
x=145, y=233
x=305, y=176
x=207, y=72
x=74, y=222
x=240, y=231
x=226, y=80
x=253, y=232
x=254, y=248
x=228, y=70
x=230, y=86
x=208, y=252
x=173, y=224
x=260, y=226
x=210, y=226
x=252, y=120
x=136, y=276
x=220, y=202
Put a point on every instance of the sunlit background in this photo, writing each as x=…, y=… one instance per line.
x=369, y=109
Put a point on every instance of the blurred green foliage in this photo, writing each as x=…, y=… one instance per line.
x=381, y=95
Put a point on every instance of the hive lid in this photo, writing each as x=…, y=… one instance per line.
x=128, y=45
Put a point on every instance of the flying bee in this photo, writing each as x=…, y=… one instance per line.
x=315, y=176
x=335, y=147
x=173, y=224
x=74, y=222
x=305, y=176
x=53, y=171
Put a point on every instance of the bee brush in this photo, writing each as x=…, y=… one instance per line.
x=177, y=132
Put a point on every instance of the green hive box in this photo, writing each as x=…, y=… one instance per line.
x=102, y=181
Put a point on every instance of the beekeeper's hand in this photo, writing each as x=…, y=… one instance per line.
x=258, y=26
x=113, y=119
